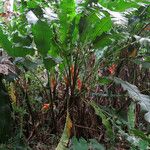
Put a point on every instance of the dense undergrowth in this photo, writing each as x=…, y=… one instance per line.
x=75, y=75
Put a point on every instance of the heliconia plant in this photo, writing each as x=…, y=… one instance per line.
x=65, y=34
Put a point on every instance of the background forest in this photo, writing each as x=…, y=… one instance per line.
x=74, y=74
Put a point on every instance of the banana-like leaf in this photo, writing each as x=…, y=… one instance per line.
x=122, y=5
x=95, y=24
x=62, y=145
x=135, y=94
x=42, y=36
x=66, y=15
x=118, y=18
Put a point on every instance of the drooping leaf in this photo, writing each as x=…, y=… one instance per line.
x=135, y=94
x=4, y=42
x=118, y=18
x=21, y=40
x=22, y=51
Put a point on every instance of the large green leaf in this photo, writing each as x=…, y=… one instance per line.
x=102, y=41
x=4, y=42
x=49, y=63
x=122, y=5
x=74, y=33
x=42, y=36
x=96, y=24
x=66, y=16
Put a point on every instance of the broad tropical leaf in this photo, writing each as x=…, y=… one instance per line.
x=96, y=24
x=66, y=15
x=135, y=94
x=122, y=5
x=118, y=18
x=42, y=36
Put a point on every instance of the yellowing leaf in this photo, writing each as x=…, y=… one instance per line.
x=64, y=140
x=68, y=125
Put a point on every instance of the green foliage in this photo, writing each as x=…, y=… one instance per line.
x=13, y=50
x=66, y=16
x=42, y=37
x=84, y=145
x=96, y=24
x=131, y=115
x=64, y=38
